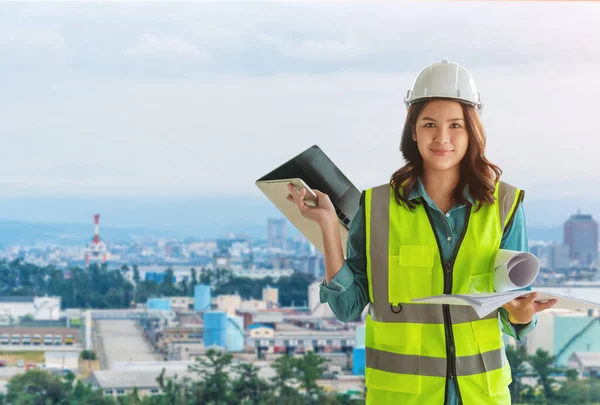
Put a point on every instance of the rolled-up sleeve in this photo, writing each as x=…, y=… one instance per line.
x=347, y=293
x=515, y=238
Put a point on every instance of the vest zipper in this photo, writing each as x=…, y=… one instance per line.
x=448, y=270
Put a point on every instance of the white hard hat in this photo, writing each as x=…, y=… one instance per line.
x=444, y=79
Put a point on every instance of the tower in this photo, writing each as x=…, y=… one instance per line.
x=581, y=235
x=277, y=233
x=96, y=249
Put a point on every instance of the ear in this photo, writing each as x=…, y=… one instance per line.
x=414, y=134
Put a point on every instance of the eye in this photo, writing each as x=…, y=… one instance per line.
x=430, y=125
x=455, y=125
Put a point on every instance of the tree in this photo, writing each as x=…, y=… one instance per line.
x=248, y=388
x=183, y=287
x=206, y=277
x=174, y=392
x=542, y=362
x=88, y=355
x=310, y=369
x=194, y=281
x=36, y=387
x=136, y=275
x=213, y=369
x=517, y=359
x=285, y=381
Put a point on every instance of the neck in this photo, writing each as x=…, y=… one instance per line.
x=440, y=185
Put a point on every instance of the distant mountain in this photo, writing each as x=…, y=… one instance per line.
x=70, y=221
x=30, y=233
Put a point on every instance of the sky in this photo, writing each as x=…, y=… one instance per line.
x=188, y=100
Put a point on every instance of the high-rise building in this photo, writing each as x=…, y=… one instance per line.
x=581, y=235
x=277, y=233
x=558, y=257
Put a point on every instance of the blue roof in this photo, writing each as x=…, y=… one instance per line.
x=260, y=325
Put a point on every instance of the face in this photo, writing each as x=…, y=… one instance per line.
x=441, y=135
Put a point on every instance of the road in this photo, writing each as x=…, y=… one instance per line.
x=121, y=340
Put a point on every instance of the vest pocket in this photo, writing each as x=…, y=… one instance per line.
x=497, y=375
x=410, y=273
x=394, y=364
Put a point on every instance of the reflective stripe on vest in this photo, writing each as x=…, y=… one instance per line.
x=406, y=342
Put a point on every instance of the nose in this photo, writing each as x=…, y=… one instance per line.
x=442, y=135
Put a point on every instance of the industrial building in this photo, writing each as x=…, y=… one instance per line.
x=13, y=308
x=587, y=364
x=62, y=360
x=563, y=332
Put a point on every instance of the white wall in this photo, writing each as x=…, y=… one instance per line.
x=16, y=309
x=46, y=308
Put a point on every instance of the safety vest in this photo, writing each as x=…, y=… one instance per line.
x=412, y=349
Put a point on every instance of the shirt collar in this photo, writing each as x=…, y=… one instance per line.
x=419, y=191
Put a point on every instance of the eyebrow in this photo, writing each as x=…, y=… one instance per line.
x=431, y=119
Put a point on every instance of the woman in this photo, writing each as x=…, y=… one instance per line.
x=433, y=229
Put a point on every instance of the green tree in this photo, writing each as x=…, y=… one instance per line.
x=136, y=275
x=285, y=381
x=183, y=287
x=36, y=387
x=193, y=281
x=542, y=362
x=310, y=368
x=517, y=358
x=248, y=388
x=88, y=355
x=213, y=370
x=174, y=391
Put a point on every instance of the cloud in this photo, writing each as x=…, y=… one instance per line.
x=327, y=50
x=151, y=45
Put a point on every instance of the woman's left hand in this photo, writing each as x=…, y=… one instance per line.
x=521, y=310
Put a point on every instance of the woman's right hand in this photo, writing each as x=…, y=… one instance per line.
x=323, y=212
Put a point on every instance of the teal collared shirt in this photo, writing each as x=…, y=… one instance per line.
x=348, y=291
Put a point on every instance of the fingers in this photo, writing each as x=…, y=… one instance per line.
x=529, y=299
x=293, y=192
x=542, y=306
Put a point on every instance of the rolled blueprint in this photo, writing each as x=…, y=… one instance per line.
x=514, y=270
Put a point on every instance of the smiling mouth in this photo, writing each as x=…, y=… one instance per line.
x=442, y=152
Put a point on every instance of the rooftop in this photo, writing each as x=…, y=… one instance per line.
x=9, y=298
x=587, y=359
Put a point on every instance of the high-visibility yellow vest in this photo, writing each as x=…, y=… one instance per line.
x=412, y=349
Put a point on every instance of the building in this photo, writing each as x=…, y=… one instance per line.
x=277, y=236
x=228, y=303
x=275, y=274
x=181, y=334
x=587, y=364
x=222, y=260
x=61, y=360
x=563, y=332
x=122, y=382
x=559, y=257
x=185, y=350
x=12, y=309
x=261, y=331
x=581, y=235
x=182, y=303
x=253, y=306
x=270, y=295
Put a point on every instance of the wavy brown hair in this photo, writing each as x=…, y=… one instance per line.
x=475, y=170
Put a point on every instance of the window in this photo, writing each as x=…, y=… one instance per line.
x=154, y=391
x=120, y=392
x=108, y=392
